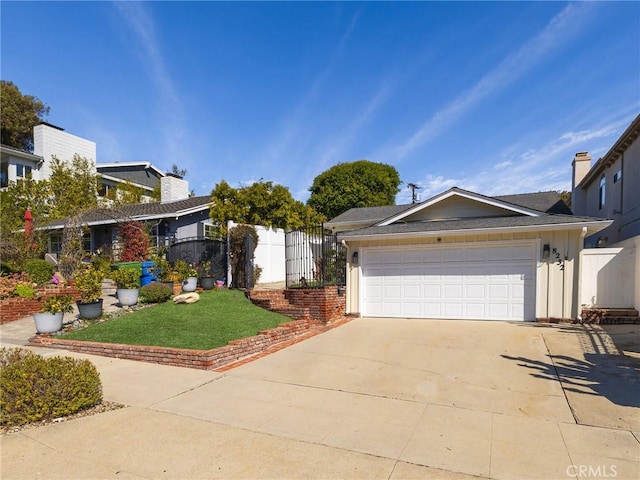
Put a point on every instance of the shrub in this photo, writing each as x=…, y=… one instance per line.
x=7, y=268
x=37, y=388
x=9, y=283
x=25, y=290
x=155, y=292
x=135, y=241
x=126, y=278
x=58, y=304
x=89, y=283
x=41, y=271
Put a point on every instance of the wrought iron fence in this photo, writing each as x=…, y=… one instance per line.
x=314, y=258
x=196, y=250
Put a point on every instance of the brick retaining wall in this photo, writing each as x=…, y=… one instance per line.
x=324, y=304
x=202, y=359
x=16, y=308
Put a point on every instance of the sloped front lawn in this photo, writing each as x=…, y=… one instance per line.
x=217, y=318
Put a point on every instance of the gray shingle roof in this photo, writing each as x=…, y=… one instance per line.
x=139, y=211
x=547, y=202
x=369, y=214
x=471, y=224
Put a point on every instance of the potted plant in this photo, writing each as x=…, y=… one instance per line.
x=162, y=270
x=187, y=274
x=89, y=284
x=207, y=281
x=49, y=319
x=128, y=283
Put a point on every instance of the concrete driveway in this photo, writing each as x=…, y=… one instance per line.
x=374, y=398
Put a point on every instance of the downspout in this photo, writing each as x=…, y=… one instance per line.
x=347, y=278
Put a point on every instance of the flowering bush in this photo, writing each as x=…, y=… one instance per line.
x=126, y=278
x=58, y=304
x=89, y=283
x=184, y=270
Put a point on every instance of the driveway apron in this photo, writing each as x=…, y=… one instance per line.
x=374, y=398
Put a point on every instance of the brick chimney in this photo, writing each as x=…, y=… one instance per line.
x=581, y=166
x=173, y=188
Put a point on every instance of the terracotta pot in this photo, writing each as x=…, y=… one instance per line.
x=177, y=289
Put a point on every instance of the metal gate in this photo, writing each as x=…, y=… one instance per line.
x=197, y=250
x=314, y=258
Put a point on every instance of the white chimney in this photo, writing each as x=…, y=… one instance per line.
x=173, y=188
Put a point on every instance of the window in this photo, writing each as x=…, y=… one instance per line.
x=55, y=243
x=22, y=171
x=617, y=176
x=602, y=192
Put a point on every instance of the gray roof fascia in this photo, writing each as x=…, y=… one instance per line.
x=142, y=163
x=623, y=142
x=455, y=191
x=21, y=153
x=597, y=225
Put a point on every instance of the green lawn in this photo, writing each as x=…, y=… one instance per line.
x=218, y=317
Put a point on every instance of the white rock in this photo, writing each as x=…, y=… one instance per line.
x=191, y=297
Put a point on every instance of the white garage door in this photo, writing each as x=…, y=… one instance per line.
x=494, y=282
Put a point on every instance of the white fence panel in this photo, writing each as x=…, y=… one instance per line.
x=608, y=277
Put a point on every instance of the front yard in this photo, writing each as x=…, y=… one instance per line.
x=217, y=318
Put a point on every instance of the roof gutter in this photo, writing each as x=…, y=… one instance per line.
x=596, y=226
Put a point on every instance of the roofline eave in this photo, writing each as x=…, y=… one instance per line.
x=592, y=227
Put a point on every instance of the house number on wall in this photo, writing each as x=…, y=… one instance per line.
x=560, y=261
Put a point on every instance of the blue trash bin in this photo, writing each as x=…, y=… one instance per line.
x=147, y=276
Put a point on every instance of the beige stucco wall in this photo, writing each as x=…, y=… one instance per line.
x=556, y=289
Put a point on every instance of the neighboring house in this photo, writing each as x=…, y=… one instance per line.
x=462, y=255
x=611, y=189
x=176, y=217
x=51, y=141
x=142, y=175
x=16, y=165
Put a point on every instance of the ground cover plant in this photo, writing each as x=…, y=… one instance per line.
x=217, y=318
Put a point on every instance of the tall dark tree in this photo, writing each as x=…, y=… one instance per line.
x=354, y=184
x=18, y=115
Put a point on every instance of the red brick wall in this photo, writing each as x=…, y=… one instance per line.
x=324, y=304
x=15, y=308
x=202, y=359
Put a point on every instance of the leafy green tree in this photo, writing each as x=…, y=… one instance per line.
x=261, y=203
x=73, y=186
x=18, y=115
x=354, y=184
x=127, y=194
x=20, y=196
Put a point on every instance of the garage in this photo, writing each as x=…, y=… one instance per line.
x=484, y=282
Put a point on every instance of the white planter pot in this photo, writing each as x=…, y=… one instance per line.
x=48, y=322
x=127, y=296
x=190, y=284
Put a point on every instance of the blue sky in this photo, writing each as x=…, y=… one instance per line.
x=495, y=97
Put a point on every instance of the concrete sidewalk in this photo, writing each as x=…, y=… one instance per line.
x=374, y=398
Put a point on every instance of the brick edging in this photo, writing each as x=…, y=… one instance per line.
x=235, y=353
x=15, y=308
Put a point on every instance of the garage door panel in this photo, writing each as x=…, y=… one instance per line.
x=441, y=282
